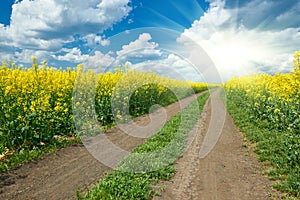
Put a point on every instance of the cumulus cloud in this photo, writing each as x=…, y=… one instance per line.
x=236, y=46
x=94, y=60
x=25, y=55
x=49, y=25
x=93, y=40
x=170, y=65
x=71, y=55
x=141, y=53
x=99, y=60
x=145, y=54
x=138, y=50
x=142, y=44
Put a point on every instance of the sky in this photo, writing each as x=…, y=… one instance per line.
x=198, y=40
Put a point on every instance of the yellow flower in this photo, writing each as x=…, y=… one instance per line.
x=32, y=108
x=57, y=108
x=33, y=59
x=7, y=90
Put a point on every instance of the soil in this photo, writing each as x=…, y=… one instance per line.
x=229, y=171
x=58, y=175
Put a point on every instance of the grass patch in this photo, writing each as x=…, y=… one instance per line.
x=159, y=152
x=277, y=148
x=25, y=155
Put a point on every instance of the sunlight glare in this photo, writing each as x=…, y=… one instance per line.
x=236, y=51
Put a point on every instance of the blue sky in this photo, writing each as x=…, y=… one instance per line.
x=210, y=40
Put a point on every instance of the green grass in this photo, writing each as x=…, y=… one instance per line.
x=26, y=155
x=134, y=177
x=278, y=149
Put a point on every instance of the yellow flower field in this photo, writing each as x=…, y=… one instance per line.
x=274, y=99
x=37, y=104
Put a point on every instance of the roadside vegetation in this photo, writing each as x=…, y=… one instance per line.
x=267, y=110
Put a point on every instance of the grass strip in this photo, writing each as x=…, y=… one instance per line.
x=126, y=183
x=278, y=149
x=27, y=155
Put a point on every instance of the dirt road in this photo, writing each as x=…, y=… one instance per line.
x=229, y=172
x=59, y=174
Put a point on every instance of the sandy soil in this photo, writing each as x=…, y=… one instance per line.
x=230, y=171
x=59, y=174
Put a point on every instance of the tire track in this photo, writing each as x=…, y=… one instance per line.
x=228, y=172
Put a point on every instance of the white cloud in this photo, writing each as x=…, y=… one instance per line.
x=72, y=55
x=141, y=47
x=171, y=66
x=181, y=68
x=237, y=49
x=25, y=55
x=104, y=42
x=93, y=60
x=99, y=60
x=48, y=25
x=28, y=19
x=137, y=53
x=93, y=40
x=146, y=55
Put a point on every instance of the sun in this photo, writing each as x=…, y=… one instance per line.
x=234, y=51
